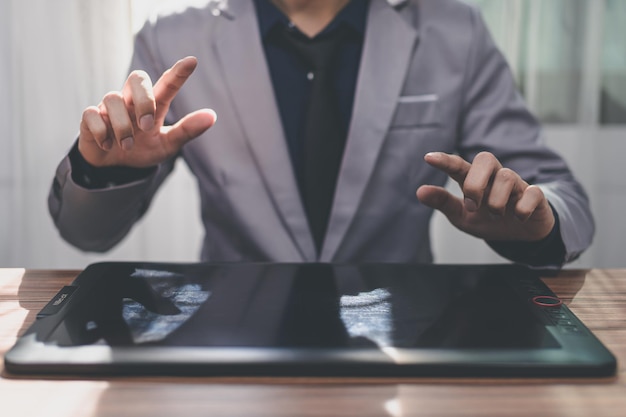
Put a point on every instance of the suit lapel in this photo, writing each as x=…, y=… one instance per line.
x=242, y=58
x=388, y=48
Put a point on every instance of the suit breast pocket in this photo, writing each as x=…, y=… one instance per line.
x=416, y=111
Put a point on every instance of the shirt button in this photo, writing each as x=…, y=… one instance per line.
x=310, y=76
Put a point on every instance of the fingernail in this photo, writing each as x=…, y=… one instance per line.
x=107, y=144
x=214, y=115
x=470, y=205
x=127, y=143
x=146, y=122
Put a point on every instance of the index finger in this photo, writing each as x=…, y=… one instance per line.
x=170, y=84
x=453, y=165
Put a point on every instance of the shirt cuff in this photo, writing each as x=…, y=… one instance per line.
x=93, y=178
x=549, y=251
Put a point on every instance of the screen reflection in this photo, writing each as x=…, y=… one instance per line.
x=302, y=306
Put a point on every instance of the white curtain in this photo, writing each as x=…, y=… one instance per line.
x=569, y=57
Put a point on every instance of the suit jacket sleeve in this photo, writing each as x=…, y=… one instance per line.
x=495, y=119
x=96, y=220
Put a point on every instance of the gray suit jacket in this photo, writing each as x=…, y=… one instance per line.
x=431, y=79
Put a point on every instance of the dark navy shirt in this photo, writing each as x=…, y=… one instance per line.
x=291, y=78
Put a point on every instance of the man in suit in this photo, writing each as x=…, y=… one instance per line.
x=420, y=93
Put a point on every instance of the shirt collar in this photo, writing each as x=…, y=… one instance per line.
x=353, y=15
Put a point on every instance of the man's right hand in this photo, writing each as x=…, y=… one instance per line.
x=126, y=128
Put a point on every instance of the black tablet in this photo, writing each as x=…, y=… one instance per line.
x=375, y=320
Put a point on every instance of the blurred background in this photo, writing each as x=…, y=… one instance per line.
x=58, y=57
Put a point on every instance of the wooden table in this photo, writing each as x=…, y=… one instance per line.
x=598, y=297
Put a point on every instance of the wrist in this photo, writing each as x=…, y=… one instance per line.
x=90, y=176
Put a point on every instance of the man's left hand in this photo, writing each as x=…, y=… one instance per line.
x=497, y=203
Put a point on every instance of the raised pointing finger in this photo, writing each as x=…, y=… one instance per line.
x=453, y=165
x=171, y=82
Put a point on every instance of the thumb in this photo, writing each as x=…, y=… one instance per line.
x=440, y=199
x=190, y=127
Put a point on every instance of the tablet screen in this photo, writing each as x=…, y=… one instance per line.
x=303, y=306
x=309, y=319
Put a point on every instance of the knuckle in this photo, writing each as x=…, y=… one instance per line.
x=90, y=111
x=484, y=155
x=172, y=87
x=506, y=175
x=535, y=192
x=138, y=76
x=160, y=102
x=89, y=114
x=485, y=158
x=112, y=97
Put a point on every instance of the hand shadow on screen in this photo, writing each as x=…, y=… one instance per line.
x=103, y=317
